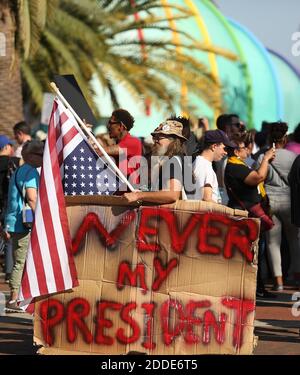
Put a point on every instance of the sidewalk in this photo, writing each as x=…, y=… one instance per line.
x=277, y=329
x=16, y=329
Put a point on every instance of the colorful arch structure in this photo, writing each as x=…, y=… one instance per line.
x=289, y=82
x=260, y=85
x=267, y=95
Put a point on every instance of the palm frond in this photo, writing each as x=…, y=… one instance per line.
x=99, y=39
x=38, y=16
x=33, y=84
x=25, y=27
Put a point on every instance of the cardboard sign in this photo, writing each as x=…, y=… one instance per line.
x=158, y=280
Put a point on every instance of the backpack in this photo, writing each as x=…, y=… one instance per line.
x=27, y=212
x=12, y=165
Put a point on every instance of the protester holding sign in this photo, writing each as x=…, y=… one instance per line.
x=167, y=173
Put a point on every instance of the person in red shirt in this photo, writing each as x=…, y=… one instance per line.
x=126, y=147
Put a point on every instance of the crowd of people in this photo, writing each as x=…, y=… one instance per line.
x=240, y=168
x=19, y=180
x=233, y=166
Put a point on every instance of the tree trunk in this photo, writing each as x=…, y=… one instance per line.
x=11, y=103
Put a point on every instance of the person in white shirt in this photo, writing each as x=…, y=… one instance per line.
x=206, y=182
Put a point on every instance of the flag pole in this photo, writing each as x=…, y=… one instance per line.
x=91, y=135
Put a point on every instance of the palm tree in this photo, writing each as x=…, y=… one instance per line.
x=10, y=78
x=95, y=39
x=22, y=23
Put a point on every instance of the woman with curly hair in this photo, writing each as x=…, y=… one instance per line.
x=278, y=190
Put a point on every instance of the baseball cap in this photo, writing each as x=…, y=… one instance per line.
x=170, y=127
x=4, y=140
x=218, y=136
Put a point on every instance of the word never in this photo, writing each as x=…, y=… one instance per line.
x=239, y=235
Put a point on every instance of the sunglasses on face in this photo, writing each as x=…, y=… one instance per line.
x=240, y=126
x=110, y=122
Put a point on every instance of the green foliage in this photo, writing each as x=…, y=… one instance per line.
x=99, y=39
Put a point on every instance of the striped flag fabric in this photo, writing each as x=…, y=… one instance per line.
x=68, y=162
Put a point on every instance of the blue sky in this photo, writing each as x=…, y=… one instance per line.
x=272, y=21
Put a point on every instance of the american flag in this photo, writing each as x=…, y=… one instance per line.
x=68, y=160
x=87, y=174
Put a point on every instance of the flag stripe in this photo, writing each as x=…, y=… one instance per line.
x=38, y=264
x=25, y=282
x=70, y=274
x=31, y=286
x=72, y=145
x=61, y=125
x=44, y=258
x=59, y=121
x=62, y=118
x=49, y=265
x=50, y=240
x=56, y=211
x=57, y=203
x=65, y=140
